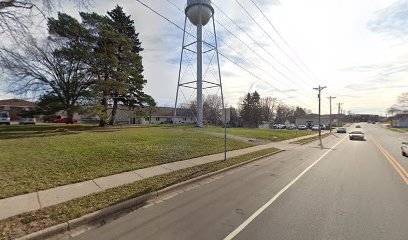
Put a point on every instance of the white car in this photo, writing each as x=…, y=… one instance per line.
x=4, y=118
x=27, y=121
x=315, y=128
x=356, y=135
x=404, y=149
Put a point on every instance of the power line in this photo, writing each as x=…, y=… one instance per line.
x=240, y=28
x=267, y=34
x=174, y=24
x=257, y=43
x=314, y=77
x=226, y=29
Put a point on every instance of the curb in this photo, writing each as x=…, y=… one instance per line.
x=128, y=204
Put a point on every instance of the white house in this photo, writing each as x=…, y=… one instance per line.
x=155, y=115
x=313, y=119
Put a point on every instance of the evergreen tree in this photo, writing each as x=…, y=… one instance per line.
x=130, y=65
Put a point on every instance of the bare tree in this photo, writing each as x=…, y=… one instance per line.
x=403, y=102
x=268, y=108
x=212, y=109
x=42, y=67
x=17, y=15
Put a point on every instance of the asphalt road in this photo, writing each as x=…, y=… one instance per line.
x=337, y=189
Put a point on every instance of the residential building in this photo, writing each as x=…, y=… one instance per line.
x=15, y=106
x=154, y=115
x=313, y=119
x=400, y=121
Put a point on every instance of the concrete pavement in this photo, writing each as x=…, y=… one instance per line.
x=33, y=201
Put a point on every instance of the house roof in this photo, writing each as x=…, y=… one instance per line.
x=17, y=103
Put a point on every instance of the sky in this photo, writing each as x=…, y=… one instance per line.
x=358, y=50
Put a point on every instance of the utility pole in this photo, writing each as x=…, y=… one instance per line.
x=340, y=114
x=319, y=96
x=330, y=121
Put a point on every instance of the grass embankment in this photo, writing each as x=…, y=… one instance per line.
x=34, y=221
x=401, y=130
x=41, y=157
x=275, y=135
x=306, y=140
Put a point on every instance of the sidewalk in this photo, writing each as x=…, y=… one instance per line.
x=33, y=201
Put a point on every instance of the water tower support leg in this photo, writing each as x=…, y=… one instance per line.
x=179, y=74
x=200, y=75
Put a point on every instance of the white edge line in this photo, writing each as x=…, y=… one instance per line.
x=273, y=199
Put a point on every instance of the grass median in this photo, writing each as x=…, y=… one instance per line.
x=400, y=130
x=306, y=140
x=34, y=221
x=40, y=157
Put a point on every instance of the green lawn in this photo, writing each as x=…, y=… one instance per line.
x=40, y=157
x=275, y=135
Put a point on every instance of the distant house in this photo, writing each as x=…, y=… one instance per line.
x=313, y=119
x=155, y=115
x=14, y=107
x=400, y=121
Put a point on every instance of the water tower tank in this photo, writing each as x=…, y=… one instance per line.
x=197, y=9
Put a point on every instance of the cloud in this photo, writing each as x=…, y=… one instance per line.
x=392, y=20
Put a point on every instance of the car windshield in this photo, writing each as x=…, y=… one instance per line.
x=356, y=132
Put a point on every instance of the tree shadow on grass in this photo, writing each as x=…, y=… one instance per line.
x=20, y=132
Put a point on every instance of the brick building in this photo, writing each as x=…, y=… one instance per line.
x=14, y=106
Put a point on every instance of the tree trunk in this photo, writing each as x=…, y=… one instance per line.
x=114, y=111
x=70, y=116
x=104, y=102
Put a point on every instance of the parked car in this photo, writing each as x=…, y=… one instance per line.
x=280, y=126
x=292, y=127
x=27, y=121
x=341, y=130
x=404, y=149
x=315, y=128
x=65, y=120
x=356, y=135
x=53, y=119
x=302, y=127
x=4, y=118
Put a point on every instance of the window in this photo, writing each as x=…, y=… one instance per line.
x=157, y=119
x=6, y=108
x=147, y=119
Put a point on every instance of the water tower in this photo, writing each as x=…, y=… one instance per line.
x=199, y=13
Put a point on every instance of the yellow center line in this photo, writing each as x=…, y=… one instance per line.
x=401, y=171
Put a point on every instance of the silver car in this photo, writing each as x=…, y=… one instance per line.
x=4, y=118
x=404, y=149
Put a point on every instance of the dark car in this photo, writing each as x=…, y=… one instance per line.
x=341, y=130
x=356, y=135
x=404, y=149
